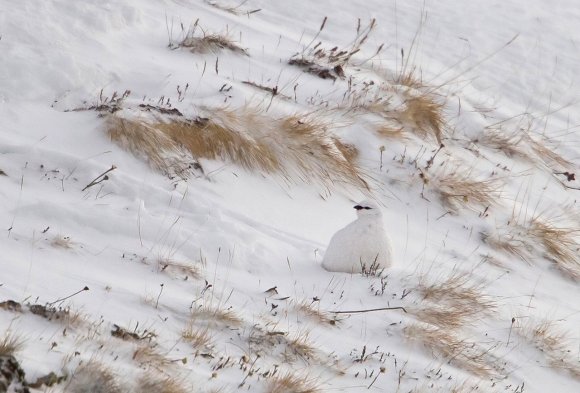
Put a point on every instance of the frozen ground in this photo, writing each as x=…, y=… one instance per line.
x=183, y=270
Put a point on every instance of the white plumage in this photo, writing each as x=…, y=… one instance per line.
x=363, y=242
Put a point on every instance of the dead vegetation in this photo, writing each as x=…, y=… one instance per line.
x=308, y=309
x=331, y=63
x=146, y=142
x=424, y=114
x=554, y=344
x=198, y=337
x=181, y=269
x=155, y=384
x=149, y=356
x=451, y=303
x=10, y=344
x=94, y=377
x=297, y=147
x=291, y=382
x=446, y=344
x=537, y=237
x=197, y=40
x=521, y=141
x=459, y=188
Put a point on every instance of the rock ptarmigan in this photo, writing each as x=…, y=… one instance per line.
x=362, y=244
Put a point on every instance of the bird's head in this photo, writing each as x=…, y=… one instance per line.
x=368, y=208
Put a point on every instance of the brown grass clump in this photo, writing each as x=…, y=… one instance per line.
x=331, y=63
x=562, y=246
x=307, y=309
x=463, y=354
x=93, y=377
x=424, y=114
x=558, y=243
x=213, y=315
x=459, y=189
x=212, y=139
x=171, y=266
x=391, y=132
x=297, y=147
x=208, y=42
x=293, y=383
x=299, y=346
x=452, y=302
x=153, y=384
x=147, y=355
x=200, y=338
x=10, y=344
x=523, y=143
x=158, y=149
x=553, y=343
x=458, y=288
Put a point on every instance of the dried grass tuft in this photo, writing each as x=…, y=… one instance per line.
x=553, y=343
x=158, y=149
x=148, y=355
x=297, y=147
x=425, y=115
x=331, y=63
x=462, y=353
x=94, y=377
x=299, y=346
x=525, y=144
x=293, y=383
x=460, y=189
x=538, y=237
x=208, y=42
x=154, y=384
x=451, y=303
x=214, y=315
x=200, y=338
x=562, y=246
x=307, y=309
x=171, y=266
x=10, y=344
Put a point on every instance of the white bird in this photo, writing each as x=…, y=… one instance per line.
x=361, y=245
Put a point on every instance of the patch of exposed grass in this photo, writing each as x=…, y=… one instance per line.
x=10, y=344
x=562, y=245
x=186, y=269
x=205, y=42
x=539, y=237
x=331, y=63
x=94, y=377
x=445, y=343
x=424, y=114
x=553, y=343
x=297, y=147
x=458, y=188
x=200, y=338
x=308, y=309
x=149, y=383
x=292, y=382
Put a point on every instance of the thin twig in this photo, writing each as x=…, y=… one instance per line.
x=69, y=296
x=369, y=310
x=96, y=179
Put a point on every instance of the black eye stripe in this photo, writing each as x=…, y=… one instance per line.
x=359, y=207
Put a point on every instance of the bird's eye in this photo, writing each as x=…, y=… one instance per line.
x=358, y=207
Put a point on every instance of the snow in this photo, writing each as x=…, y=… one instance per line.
x=246, y=232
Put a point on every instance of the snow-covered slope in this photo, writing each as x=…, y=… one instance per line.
x=204, y=275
